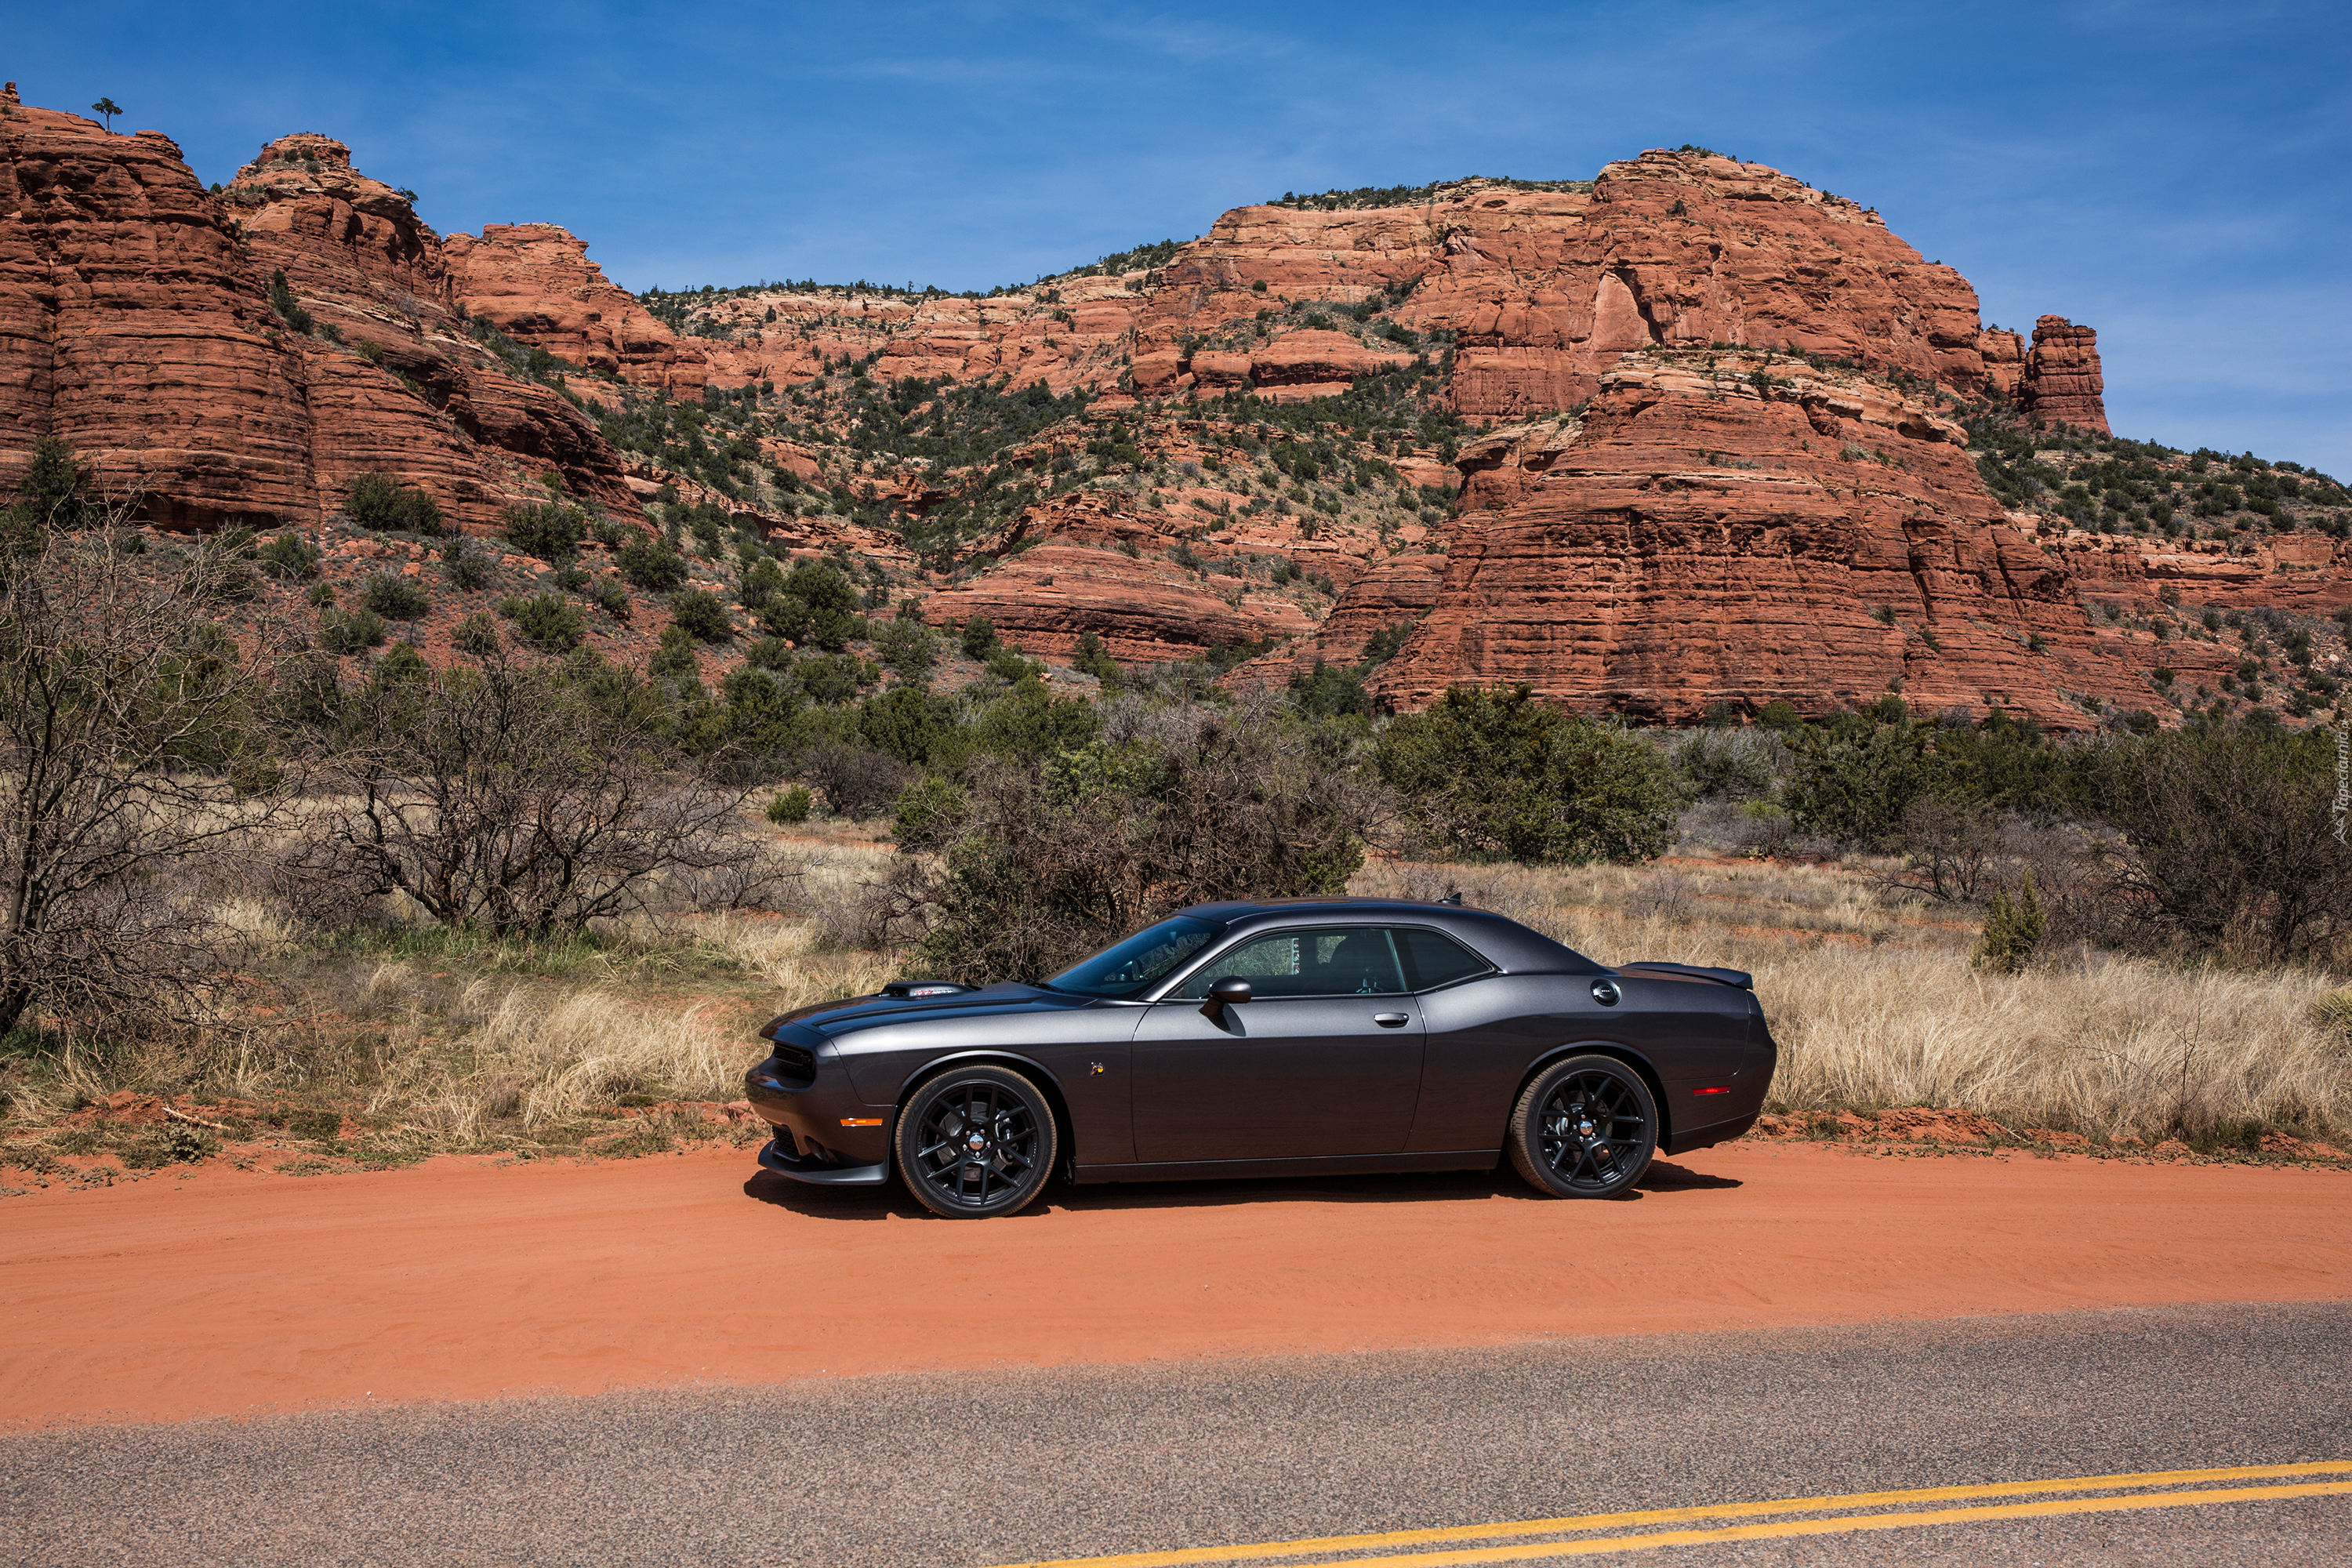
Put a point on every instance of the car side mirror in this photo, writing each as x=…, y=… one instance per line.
x=1222, y=992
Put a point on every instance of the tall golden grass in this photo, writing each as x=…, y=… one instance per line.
x=1875, y=1003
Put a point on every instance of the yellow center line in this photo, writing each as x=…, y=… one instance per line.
x=1338, y=1543
x=1601, y=1545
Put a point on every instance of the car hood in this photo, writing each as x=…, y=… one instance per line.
x=831, y=1020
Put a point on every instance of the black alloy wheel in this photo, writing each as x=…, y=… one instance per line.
x=976, y=1142
x=1586, y=1128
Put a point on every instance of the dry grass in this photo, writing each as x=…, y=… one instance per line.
x=1875, y=1004
x=443, y=1041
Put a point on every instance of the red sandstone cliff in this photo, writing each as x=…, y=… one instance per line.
x=1701, y=536
x=135, y=322
x=535, y=283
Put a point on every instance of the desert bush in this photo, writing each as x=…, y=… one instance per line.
x=467, y=564
x=477, y=636
x=609, y=596
x=517, y=797
x=1500, y=774
x=342, y=632
x=2229, y=840
x=652, y=565
x=979, y=637
x=792, y=806
x=702, y=615
x=859, y=781
x=907, y=646
x=818, y=607
x=132, y=749
x=546, y=621
x=397, y=596
x=552, y=530
x=289, y=557
x=1054, y=858
x=2013, y=929
x=381, y=503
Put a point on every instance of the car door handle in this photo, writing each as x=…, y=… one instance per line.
x=1391, y=1020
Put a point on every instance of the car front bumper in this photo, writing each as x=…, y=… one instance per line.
x=777, y=1157
x=824, y=1133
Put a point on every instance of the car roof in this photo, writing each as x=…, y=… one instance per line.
x=1501, y=941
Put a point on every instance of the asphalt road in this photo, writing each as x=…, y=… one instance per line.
x=968, y=1471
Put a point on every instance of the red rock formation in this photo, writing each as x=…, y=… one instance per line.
x=535, y=283
x=1700, y=537
x=131, y=323
x=135, y=320
x=1144, y=609
x=2004, y=360
x=2061, y=383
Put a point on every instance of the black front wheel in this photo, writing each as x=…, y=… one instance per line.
x=976, y=1142
x=1586, y=1128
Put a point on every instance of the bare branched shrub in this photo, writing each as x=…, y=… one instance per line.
x=856, y=781
x=520, y=798
x=2232, y=842
x=128, y=753
x=1053, y=862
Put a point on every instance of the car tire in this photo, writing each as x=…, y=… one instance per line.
x=977, y=1142
x=1586, y=1128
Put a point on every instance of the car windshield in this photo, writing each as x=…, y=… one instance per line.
x=1148, y=955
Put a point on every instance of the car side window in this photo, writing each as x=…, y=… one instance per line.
x=1434, y=959
x=1334, y=961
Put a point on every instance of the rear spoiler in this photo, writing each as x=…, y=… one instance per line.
x=1734, y=977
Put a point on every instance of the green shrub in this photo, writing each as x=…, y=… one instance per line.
x=546, y=621
x=1330, y=690
x=931, y=812
x=703, y=617
x=467, y=564
x=792, y=805
x=674, y=658
x=979, y=634
x=549, y=531
x=289, y=557
x=381, y=504
x=342, y=632
x=477, y=634
x=607, y=594
x=397, y=596
x=1008, y=666
x=2013, y=929
x=1093, y=659
x=907, y=646
x=817, y=608
x=1500, y=774
x=652, y=565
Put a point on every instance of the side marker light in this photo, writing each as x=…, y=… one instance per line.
x=861, y=1122
x=1724, y=1090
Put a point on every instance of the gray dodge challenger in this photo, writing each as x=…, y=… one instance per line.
x=1305, y=1037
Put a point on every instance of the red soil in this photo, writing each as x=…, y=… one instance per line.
x=233, y=1293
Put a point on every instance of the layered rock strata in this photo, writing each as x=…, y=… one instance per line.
x=1733, y=530
x=2061, y=383
x=136, y=322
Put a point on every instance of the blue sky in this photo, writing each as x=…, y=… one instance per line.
x=2174, y=175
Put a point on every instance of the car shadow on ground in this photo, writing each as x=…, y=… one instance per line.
x=1663, y=1180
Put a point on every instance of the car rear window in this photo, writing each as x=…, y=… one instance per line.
x=1434, y=959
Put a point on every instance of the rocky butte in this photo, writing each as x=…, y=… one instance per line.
x=136, y=321
x=1716, y=453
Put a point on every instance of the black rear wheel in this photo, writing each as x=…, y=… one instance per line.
x=1586, y=1128
x=976, y=1142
